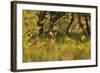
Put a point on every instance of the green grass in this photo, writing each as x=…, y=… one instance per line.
x=65, y=47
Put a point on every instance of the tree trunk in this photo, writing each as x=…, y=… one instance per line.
x=53, y=19
x=87, y=25
x=80, y=23
x=72, y=19
x=41, y=17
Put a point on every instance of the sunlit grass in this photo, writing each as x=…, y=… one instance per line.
x=62, y=48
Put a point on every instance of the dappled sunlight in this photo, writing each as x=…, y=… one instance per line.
x=56, y=36
x=52, y=51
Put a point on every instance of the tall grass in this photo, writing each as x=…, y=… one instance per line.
x=64, y=47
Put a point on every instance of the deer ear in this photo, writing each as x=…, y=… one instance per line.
x=51, y=33
x=55, y=33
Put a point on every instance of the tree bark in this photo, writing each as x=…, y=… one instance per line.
x=87, y=25
x=72, y=19
x=80, y=23
x=54, y=17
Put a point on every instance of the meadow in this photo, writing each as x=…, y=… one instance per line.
x=66, y=48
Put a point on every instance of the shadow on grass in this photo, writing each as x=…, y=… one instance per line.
x=79, y=37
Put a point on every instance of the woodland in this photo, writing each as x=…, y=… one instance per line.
x=56, y=36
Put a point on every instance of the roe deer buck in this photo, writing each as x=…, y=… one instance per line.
x=52, y=34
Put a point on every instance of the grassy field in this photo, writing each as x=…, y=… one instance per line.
x=73, y=46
